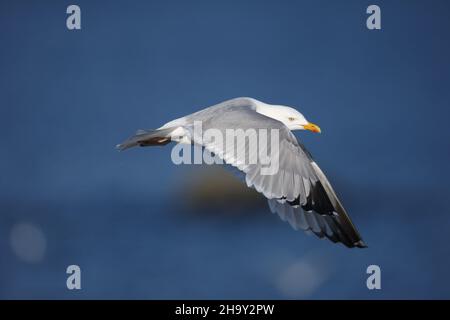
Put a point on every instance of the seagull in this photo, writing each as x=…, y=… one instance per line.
x=298, y=191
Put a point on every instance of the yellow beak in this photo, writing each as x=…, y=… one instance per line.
x=312, y=127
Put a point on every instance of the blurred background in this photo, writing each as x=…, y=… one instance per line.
x=141, y=227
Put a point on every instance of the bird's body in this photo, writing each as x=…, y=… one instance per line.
x=298, y=191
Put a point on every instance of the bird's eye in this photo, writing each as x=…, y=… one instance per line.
x=291, y=118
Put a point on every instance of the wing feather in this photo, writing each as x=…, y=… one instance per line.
x=299, y=191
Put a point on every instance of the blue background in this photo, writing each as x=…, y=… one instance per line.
x=67, y=97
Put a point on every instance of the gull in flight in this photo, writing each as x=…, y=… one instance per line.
x=298, y=191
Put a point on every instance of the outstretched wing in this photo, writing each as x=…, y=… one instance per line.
x=298, y=191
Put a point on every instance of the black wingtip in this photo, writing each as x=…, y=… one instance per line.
x=361, y=244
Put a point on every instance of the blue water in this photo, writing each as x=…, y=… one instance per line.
x=67, y=97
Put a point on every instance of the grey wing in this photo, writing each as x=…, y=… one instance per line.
x=298, y=191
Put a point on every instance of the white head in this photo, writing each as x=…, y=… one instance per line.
x=290, y=117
